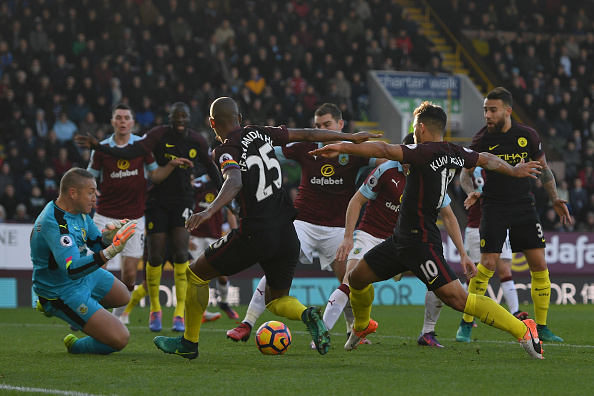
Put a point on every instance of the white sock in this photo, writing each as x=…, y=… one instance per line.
x=223, y=291
x=511, y=295
x=336, y=304
x=120, y=310
x=257, y=303
x=432, y=309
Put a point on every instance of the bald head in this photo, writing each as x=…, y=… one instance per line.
x=224, y=116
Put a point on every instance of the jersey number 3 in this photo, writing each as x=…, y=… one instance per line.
x=265, y=163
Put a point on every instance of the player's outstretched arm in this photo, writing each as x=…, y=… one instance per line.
x=326, y=135
x=231, y=187
x=366, y=149
x=548, y=181
x=452, y=227
x=162, y=172
x=352, y=215
x=496, y=164
x=128, y=152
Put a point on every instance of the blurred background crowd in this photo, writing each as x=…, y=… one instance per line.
x=65, y=63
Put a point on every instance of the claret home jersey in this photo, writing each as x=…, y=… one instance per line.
x=474, y=212
x=433, y=166
x=519, y=142
x=262, y=201
x=327, y=184
x=206, y=192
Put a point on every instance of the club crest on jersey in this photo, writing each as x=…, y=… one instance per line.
x=343, y=159
x=123, y=164
x=65, y=241
x=209, y=197
x=522, y=142
x=192, y=153
x=82, y=309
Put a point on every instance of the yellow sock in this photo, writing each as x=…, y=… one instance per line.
x=361, y=301
x=493, y=314
x=180, y=287
x=287, y=307
x=478, y=285
x=153, y=281
x=196, y=302
x=138, y=294
x=541, y=295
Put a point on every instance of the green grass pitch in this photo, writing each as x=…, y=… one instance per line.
x=33, y=360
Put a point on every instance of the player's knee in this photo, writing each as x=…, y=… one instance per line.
x=121, y=339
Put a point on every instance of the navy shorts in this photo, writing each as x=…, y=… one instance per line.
x=162, y=217
x=276, y=249
x=525, y=230
x=425, y=260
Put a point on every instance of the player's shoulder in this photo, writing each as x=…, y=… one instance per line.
x=388, y=166
x=192, y=134
x=525, y=129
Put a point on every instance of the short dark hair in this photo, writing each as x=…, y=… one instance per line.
x=502, y=94
x=409, y=139
x=74, y=178
x=121, y=106
x=329, y=108
x=432, y=115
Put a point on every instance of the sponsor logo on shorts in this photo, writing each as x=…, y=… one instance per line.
x=123, y=173
x=357, y=250
x=482, y=243
x=82, y=309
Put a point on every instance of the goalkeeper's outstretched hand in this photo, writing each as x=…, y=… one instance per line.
x=111, y=229
x=119, y=240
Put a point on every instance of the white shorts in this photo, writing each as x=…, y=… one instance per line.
x=324, y=240
x=199, y=245
x=135, y=245
x=472, y=245
x=362, y=243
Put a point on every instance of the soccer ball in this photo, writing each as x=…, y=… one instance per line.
x=273, y=338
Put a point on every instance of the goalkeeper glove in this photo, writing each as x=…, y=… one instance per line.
x=111, y=230
x=119, y=240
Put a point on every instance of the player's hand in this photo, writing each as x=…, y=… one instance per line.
x=111, y=229
x=468, y=266
x=86, y=141
x=120, y=239
x=181, y=162
x=363, y=136
x=562, y=211
x=345, y=247
x=329, y=151
x=471, y=199
x=528, y=169
x=197, y=218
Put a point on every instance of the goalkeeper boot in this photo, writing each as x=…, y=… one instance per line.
x=210, y=316
x=312, y=317
x=155, y=321
x=428, y=339
x=228, y=310
x=241, y=332
x=357, y=336
x=464, y=331
x=544, y=334
x=530, y=342
x=179, y=324
x=69, y=341
x=177, y=346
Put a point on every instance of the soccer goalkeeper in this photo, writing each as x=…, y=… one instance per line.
x=71, y=285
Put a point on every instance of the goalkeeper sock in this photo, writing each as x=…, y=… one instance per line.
x=336, y=304
x=153, y=281
x=433, y=307
x=541, y=295
x=257, y=303
x=180, y=287
x=223, y=289
x=197, y=294
x=361, y=301
x=287, y=306
x=138, y=294
x=89, y=345
x=510, y=294
x=493, y=314
x=478, y=285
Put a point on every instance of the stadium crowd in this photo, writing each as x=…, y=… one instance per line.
x=65, y=63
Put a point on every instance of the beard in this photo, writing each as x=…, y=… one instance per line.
x=497, y=127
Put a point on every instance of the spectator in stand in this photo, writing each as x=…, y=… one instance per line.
x=572, y=160
x=21, y=215
x=6, y=176
x=36, y=202
x=40, y=124
x=9, y=201
x=49, y=184
x=2, y=214
x=64, y=128
x=587, y=224
x=578, y=199
x=62, y=164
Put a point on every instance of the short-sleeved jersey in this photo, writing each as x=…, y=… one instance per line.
x=327, y=184
x=384, y=188
x=433, y=166
x=58, y=251
x=122, y=182
x=519, y=142
x=263, y=203
x=165, y=146
x=205, y=192
x=474, y=212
